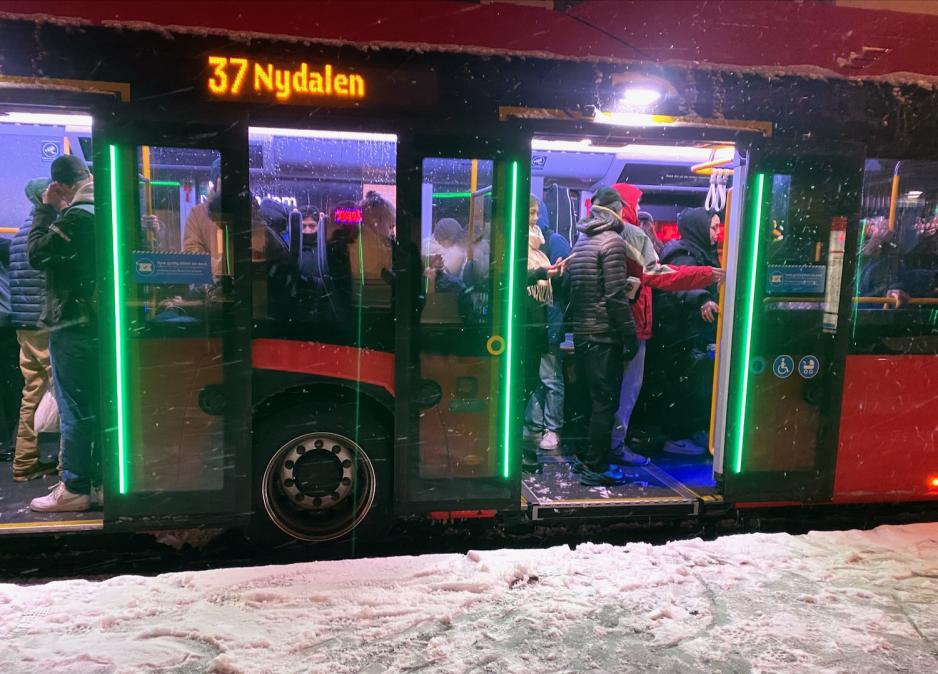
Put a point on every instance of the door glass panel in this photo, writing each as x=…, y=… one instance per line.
x=896, y=285
x=458, y=332
x=175, y=311
x=324, y=219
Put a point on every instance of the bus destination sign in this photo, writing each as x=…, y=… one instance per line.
x=231, y=77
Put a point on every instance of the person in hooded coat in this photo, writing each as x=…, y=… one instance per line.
x=685, y=325
x=603, y=328
x=28, y=293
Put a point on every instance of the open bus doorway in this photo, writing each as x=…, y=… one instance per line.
x=668, y=403
x=31, y=139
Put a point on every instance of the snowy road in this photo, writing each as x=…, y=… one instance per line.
x=825, y=602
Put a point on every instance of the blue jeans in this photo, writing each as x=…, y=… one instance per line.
x=74, y=355
x=545, y=407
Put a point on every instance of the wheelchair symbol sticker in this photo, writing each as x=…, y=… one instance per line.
x=783, y=366
x=808, y=367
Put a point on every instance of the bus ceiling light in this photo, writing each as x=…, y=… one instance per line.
x=46, y=119
x=639, y=98
x=913, y=194
x=323, y=134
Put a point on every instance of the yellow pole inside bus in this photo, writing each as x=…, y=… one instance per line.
x=470, y=226
x=148, y=198
x=894, y=198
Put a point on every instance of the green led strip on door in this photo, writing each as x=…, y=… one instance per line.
x=508, y=395
x=748, y=319
x=117, y=263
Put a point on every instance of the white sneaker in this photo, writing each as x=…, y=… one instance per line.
x=60, y=499
x=550, y=441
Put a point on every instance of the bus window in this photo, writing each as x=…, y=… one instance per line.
x=896, y=285
x=456, y=436
x=174, y=311
x=326, y=201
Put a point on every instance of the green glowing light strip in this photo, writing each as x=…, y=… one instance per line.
x=452, y=195
x=750, y=313
x=165, y=183
x=856, y=285
x=510, y=319
x=116, y=245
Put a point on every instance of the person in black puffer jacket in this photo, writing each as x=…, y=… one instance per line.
x=28, y=296
x=603, y=330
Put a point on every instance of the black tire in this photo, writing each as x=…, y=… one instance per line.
x=322, y=475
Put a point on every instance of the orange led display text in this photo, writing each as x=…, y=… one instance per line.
x=235, y=77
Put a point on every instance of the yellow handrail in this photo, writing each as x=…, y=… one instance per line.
x=706, y=168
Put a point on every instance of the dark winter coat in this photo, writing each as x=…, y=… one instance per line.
x=62, y=246
x=677, y=314
x=27, y=285
x=598, y=277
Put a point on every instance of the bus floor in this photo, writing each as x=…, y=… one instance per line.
x=667, y=477
x=15, y=515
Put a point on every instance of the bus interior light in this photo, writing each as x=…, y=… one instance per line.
x=323, y=134
x=640, y=98
x=79, y=122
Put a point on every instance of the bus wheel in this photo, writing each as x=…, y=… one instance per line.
x=321, y=479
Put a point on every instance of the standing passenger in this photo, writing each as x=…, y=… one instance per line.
x=201, y=233
x=643, y=264
x=603, y=328
x=685, y=328
x=28, y=292
x=61, y=244
x=544, y=416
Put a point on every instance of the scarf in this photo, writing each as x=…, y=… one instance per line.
x=542, y=291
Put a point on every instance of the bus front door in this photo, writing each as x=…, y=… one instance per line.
x=174, y=324
x=462, y=242
x=777, y=424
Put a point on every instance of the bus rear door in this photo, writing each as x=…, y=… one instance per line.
x=788, y=332
x=462, y=233
x=174, y=257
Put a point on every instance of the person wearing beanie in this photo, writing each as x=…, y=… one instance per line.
x=646, y=222
x=61, y=244
x=603, y=329
x=643, y=263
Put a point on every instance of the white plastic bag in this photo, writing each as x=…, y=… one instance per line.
x=47, y=414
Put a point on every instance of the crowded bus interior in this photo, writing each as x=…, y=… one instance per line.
x=323, y=270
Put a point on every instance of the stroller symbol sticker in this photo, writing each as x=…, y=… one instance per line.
x=808, y=367
x=783, y=366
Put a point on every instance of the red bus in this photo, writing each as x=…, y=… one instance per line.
x=287, y=350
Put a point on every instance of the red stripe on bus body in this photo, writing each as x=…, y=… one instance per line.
x=328, y=360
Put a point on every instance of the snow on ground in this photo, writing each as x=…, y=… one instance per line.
x=825, y=602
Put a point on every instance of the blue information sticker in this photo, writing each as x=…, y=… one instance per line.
x=783, y=367
x=791, y=279
x=808, y=367
x=159, y=268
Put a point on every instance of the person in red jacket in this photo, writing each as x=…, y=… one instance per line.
x=643, y=264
